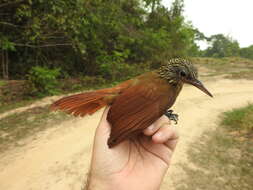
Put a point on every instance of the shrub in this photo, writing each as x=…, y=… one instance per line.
x=92, y=81
x=43, y=81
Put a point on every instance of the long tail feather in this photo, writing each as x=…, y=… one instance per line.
x=89, y=102
x=82, y=104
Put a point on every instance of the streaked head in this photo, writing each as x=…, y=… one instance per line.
x=182, y=70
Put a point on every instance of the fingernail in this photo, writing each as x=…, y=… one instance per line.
x=151, y=127
x=159, y=134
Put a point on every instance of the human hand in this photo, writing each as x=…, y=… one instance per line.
x=127, y=165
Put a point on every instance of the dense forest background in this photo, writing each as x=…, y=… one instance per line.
x=91, y=37
x=109, y=39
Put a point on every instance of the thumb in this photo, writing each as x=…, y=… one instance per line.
x=103, y=130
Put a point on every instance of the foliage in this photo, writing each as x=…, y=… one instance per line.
x=11, y=92
x=6, y=44
x=247, y=52
x=98, y=37
x=222, y=46
x=43, y=81
x=2, y=83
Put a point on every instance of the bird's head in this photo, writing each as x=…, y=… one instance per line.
x=180, y=70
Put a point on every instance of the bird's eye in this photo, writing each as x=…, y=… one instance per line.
x=182, y=74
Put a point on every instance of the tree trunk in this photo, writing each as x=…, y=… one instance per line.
x=153, y=6
x=3, y=64
x=7, y=65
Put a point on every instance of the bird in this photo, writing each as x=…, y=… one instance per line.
x=138, y=102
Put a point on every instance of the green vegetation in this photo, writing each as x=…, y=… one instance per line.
x=104, y=38
x=17, y=126
x=18, y=93
x=43, y=81
x=224, y=156
x=2, y=83
x=247, y=52
x=240, y=120
x=106, y=41
x=91, y=37
x=10, y=106
x=50, y=47
x=221, y=46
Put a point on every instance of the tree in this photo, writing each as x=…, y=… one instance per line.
x=152, y=4
x=222, y=46
x=91, y=37
x=247, y=52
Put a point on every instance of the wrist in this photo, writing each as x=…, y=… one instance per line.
x=95, y=182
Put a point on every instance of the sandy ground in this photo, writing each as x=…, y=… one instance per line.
x=39, y=103
x=58, y=158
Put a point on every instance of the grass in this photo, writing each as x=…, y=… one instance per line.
x=69, y=86
x=232, y=67
x=8, y=107
x=223, y=159
x=4, y=107
x=18, y=126
x=241, y=75
x=2, y=83
x=240, y=120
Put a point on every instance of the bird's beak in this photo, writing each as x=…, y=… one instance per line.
x=199, y=85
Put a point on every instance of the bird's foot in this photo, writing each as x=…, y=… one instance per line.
x=172, y=116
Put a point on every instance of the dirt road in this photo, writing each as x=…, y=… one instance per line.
x=58, y=158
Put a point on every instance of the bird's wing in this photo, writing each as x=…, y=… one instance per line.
x=136, y=109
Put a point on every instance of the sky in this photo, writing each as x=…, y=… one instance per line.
x=230, y=17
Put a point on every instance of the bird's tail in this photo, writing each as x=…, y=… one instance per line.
x=85, y=103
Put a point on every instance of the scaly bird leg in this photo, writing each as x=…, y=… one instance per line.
x=172, y=116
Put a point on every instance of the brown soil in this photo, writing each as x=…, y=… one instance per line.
x=58, y=158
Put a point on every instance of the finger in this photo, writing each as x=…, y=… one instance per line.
x=171, y=144
x=104, y=116
x=173, y=140
x=104, y=127
x=167, y=135
x=152, y=129
x=163, y=134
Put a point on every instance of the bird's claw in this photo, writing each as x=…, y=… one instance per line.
x=172, y=116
